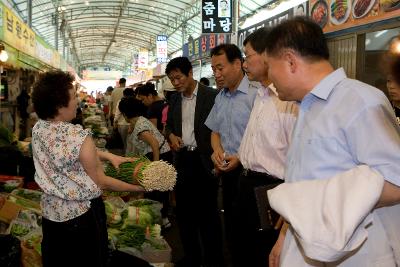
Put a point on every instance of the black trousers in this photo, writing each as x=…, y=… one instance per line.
x=230, y=187
x=81, y=241
x=197, y=211
x=251, y=245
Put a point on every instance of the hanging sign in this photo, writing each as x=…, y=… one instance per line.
x=162, y=48
x=217, y=16
x=201, y=47
x=143, y=60
x=17, y=33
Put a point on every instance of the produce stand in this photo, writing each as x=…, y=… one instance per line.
x=94, y=119
x=132, y=224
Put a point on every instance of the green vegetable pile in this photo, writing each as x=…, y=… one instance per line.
x=32, y=195
x=152, y=175
x=19, y=230
x=135, y=224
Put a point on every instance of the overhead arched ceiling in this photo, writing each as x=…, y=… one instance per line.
x=99, y=33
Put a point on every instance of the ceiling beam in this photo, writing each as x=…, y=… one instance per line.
x=121, y=11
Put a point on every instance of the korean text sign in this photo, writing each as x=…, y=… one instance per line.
x=217, y=16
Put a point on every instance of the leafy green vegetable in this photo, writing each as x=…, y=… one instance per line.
x=132, y=236
x=137, y=216
x=19, y=230
x=28, y=194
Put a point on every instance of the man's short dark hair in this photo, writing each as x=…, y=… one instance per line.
x=122, y=81
x=258, y=39
x=300, y=34
x=231, y=51
x=179, y=63
x=131, y=107
x=205, y=81
x=51, y=92
x=128, y=92
x=147, y=89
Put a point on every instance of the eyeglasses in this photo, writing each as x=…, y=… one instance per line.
x=245, y=58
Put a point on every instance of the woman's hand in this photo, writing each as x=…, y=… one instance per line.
x=114, y=159
x=118, y=160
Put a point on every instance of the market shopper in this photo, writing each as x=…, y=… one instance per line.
x=205, y=81
x=228, y=120
x=120, y=124
x=148, y=94
x=393, y=86
x=106, y=103
x=393, y=76
x=116, y=96
x=196, y=188
x=146, y=140
x=262, y=153
x=71, y=176
x=342, y=124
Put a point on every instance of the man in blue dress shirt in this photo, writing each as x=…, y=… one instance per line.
x=228, y=120
x=342, y=124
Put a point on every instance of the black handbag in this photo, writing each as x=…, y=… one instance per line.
x=268, y=217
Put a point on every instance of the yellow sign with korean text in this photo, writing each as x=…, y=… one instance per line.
x=17, y=33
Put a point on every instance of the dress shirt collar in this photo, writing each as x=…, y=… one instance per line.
x=243, y=86
x=266, y=91
x=326, y=85
x=193, y=94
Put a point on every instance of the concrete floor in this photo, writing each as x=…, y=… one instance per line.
x=172, y=236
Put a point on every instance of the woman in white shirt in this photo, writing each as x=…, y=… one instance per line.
x=146, y=140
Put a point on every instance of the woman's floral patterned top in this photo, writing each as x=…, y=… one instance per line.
x=67, y=187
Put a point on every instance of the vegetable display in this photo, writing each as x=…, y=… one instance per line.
x=134, y=224
x=152, y=175
x=6, y=137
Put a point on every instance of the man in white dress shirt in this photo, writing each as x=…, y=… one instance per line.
x=262, y=153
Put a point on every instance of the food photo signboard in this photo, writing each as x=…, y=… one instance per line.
x=335, y=15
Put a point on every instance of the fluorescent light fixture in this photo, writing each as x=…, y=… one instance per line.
x=380, y=33
x=3, y=53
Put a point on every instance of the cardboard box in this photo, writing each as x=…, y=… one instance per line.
x=9, y=211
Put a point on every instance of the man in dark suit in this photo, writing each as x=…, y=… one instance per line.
x=196, y=188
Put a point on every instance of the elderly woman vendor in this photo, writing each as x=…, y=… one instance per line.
x=69, y=171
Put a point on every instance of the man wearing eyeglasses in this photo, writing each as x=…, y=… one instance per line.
x=262, y=154
x=227, y=120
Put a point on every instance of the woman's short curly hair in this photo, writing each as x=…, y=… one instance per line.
x=51, y=92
